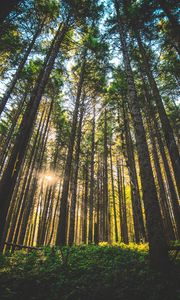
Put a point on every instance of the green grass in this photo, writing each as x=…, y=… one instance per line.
x=84, y=273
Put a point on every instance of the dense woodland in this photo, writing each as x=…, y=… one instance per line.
x=90, y=127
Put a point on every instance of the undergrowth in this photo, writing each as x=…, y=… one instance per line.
x=85, y=273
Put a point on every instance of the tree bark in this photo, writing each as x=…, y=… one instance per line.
x=157, y=243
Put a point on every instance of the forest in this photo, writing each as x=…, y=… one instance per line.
x=89, y=149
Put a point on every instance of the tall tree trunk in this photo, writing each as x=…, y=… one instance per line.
x=75, y=176
x=86, y=173
x=157, y=243
x=62, y=225
x=106, y=216
x=122, y=203
x=113, y=196
x=173, y=194
x=167, y=129
x=139, y=227
x=162, y=192
x=99, y=195
x=91, y=195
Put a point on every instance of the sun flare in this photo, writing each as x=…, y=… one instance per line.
x=48, y=177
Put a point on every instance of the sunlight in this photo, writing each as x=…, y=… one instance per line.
x=48, y=177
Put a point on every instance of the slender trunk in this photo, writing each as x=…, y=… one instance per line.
x=122, y=203
x=139, y=227
x=120, y=195
x=101, y=204
x=62, y=225
x=98, y=202
x=54, y=217
x=6, y=146
x=126, y=238
x=91, y=196
x=75, y=176
x=86, y=171
x=106, y=217
x=113, y=196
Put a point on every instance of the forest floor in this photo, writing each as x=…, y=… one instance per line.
x=86, y=273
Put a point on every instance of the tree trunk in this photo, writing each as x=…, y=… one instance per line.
x=75, y=176
x=6, y=147
x=106, y=216
x=173, y=195
x=139, y=228
x=157, y=243
x=62, y=225
x=113, y=196
x=91, y=195
x=167, y=129
x=18, y=153
x=86, y=172
x=168, y=228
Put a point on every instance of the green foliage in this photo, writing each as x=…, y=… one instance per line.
x=84, y=272
x=48, y=8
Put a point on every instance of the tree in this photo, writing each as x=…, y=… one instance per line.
x=157, y=243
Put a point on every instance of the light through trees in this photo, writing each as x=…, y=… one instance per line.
x=89, y=124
